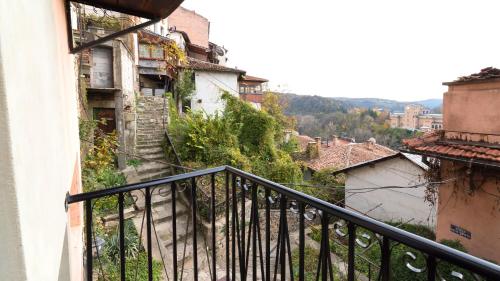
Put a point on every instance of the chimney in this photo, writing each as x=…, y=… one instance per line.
x=288, y=135
x=370, y=143
x=335, y=140
x=318, y=143
x=312, y=150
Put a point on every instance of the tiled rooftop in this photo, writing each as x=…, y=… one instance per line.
x=197, y=64
x=343, y=154
x=434, y=143
x=485, y=74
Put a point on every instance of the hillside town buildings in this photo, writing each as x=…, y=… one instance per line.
x=416, y=117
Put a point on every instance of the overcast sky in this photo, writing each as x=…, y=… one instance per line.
x=397, y=49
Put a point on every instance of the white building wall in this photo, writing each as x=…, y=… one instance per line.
x=39, y=155
x=209, y=89
x=397, y=204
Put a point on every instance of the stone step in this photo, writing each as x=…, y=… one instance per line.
x=149, y=150
x=157, y=175
x=149, y=145
x=151, y=167
x=162, y=214
x=153, y=157
x=149, y=135
x=150, y=142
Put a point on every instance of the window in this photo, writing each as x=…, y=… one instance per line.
x=144, y=51
x=242, y=89
x=156, y=52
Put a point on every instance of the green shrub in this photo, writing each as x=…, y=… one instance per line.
x=241, y=136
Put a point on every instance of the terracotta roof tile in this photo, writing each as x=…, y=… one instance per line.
x=346, y=154
x=436, y=144
x=303, y=141
x=485, y=74
x=197, y=64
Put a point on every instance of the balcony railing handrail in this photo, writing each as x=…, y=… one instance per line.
x=427, y=246
x=438, y=250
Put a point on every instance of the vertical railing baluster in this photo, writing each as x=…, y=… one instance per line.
x=88, y=230
x=254, y=227
x=351, y=229
x=227, y=226
x=214, y=253
x=386, y=259
x=283, y=241
x=325, y=238
x=242, y=257
x=431, y=268
x=233, y=229
x=173, y=188
x=267, y=194
x=122, y=236
x=301, y=241
x=195, y=228
x=148, y=233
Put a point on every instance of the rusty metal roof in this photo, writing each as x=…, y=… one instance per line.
x=150, y=9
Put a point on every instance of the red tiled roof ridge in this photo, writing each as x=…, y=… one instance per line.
x=198, y=64
x=347, y=154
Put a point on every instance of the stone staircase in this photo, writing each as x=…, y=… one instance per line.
x=151, y=115
x=150, y=142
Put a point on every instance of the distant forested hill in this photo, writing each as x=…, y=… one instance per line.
x=324, y=117
x=305, y=105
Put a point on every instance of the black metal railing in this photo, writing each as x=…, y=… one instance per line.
x=262, y=234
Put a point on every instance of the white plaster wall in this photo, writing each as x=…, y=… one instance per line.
x=209, y=88
x=39, y=143
x=397, y=204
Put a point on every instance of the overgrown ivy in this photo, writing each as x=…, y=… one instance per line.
x=240, y=136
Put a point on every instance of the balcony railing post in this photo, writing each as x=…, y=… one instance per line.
x=148, y=233
x=227, y=226
x=255, y=213
x=212, y=207
x=233, y=228
x=267, y=194
x=88, y=234
x=431, y=268
x=351, y=229
x=195, y=228
x=122, y=236
x=282, y=241
x=242, y=256
x=301, y=241
x=173, y=188
x=385, y=270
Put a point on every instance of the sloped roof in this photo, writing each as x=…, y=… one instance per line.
x=197, y=64
x=487, y=73
x=434, y=144
x=346, y=154
x=415, y=159
x=253, y=79
x=303, y=141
